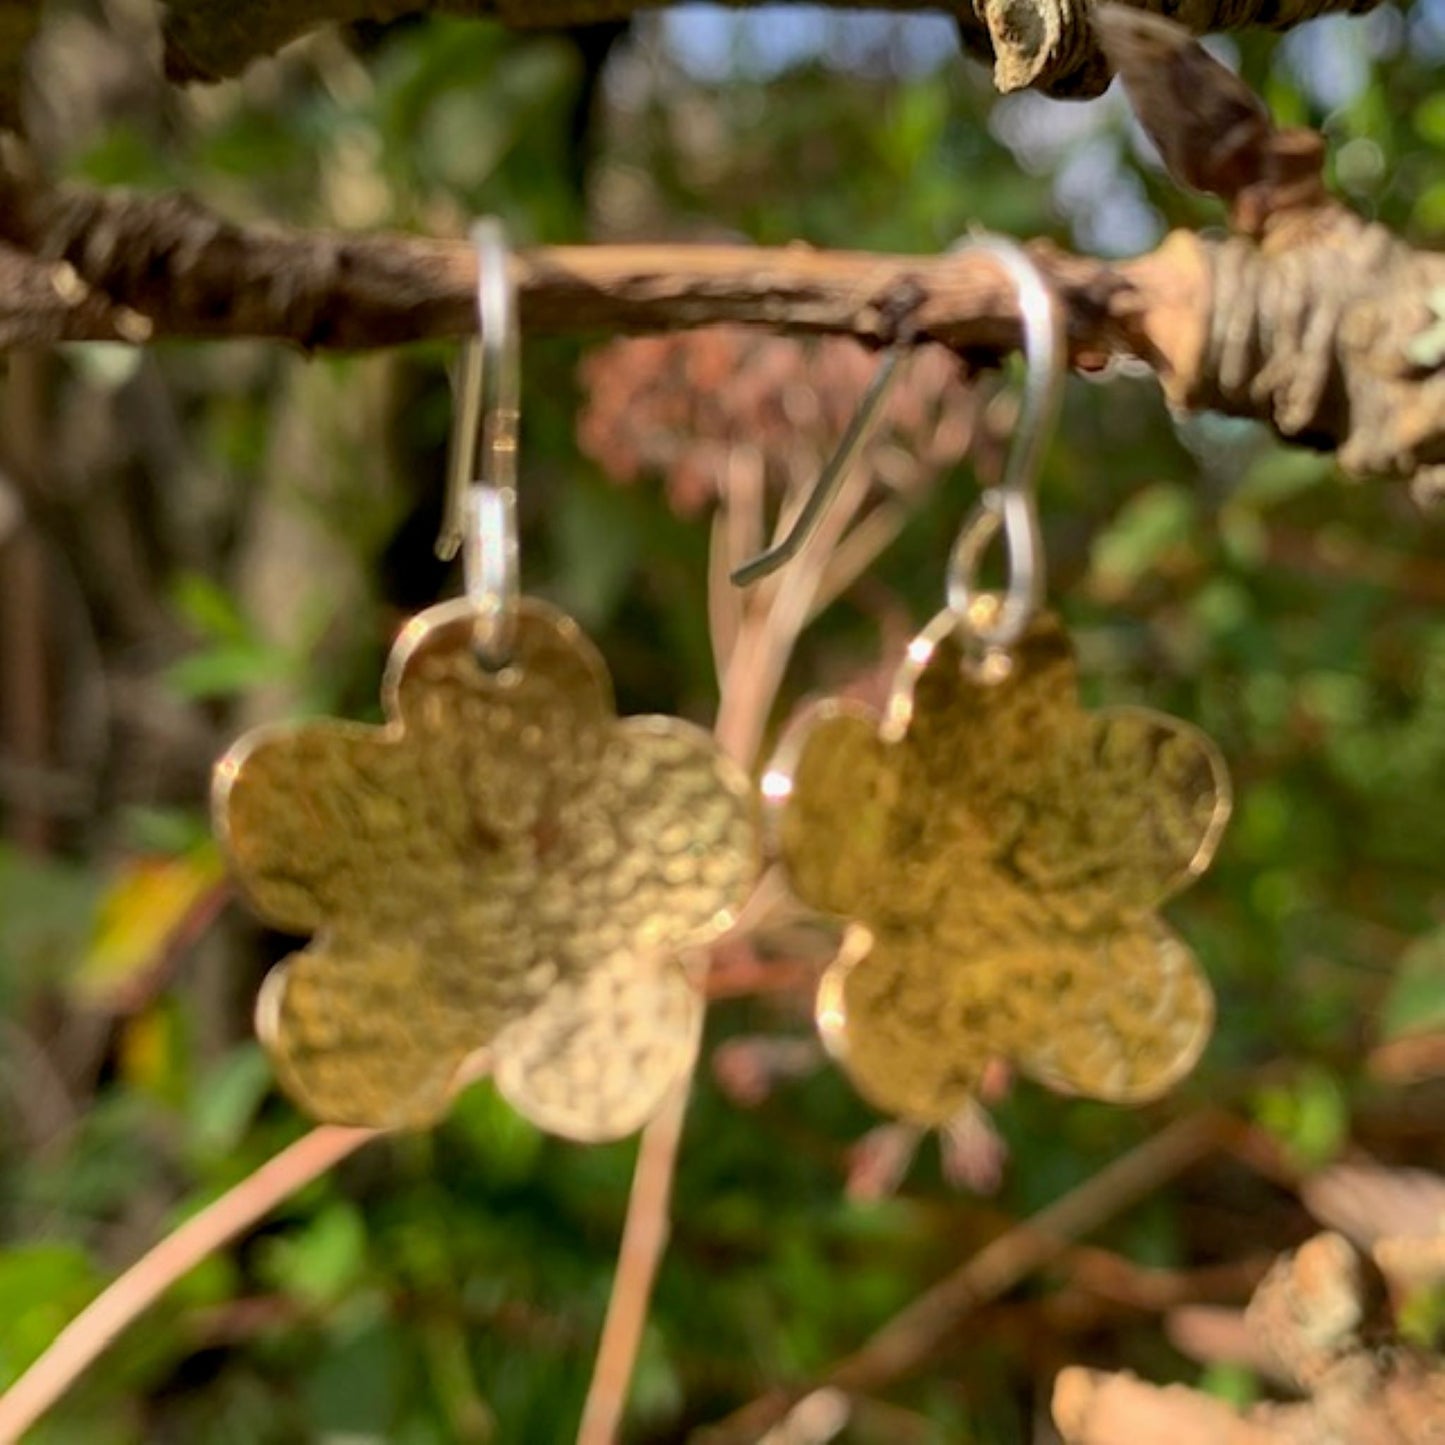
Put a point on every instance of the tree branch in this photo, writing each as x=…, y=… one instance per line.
x=107, y=266
x=1320, y=1316
x=190, y=274
x=1049, y=44
x=128, y=1296
x=913, y=1335
x=1308, y=317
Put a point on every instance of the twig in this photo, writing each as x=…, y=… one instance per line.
x=1319, y=1317
x=117, y=1306
x=911, y=1336
x=1046, y=43
x=1216, y=1335
x=644, y=1239
x=645, y=1228
x=1093, y=1407
x=757, y=659
x=179, y=270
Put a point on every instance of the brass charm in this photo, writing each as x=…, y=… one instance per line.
x=1002, y=852
x=504, y=864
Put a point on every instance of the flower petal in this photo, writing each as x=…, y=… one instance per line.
x=502, y=837
x=1122, y=817
x=914, y=1034
x=597, y=1057
x=1013, y=850
x=977, y=739
x=496, y=748
x=842, y=796
x=363, y=1040
x=1131, y=1014
x=298, y=810
x=659, y=847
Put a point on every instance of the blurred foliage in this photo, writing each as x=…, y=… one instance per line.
x=451, y=1287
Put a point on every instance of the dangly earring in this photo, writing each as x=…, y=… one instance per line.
x=1000, y=853
x=504, y=865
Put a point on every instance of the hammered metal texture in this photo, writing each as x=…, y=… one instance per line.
x=504, y=865
x=1002, y=853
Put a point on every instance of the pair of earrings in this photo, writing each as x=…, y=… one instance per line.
x=507, y=866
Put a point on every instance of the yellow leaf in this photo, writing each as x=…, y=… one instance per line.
x=141, y=911
x=150, y=1053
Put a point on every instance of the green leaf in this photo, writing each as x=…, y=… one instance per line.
x=164, y=830
x=47, y=909
x=227, y=669
x=322, y=1262
x=224, y=1103
x=1421, y=1317
x=1159, y=521
x=1430, y=119
x=1310, y=1115
x=209, y=609
x=1279, y=474
x=353, y=1392
x=43, y=1287
x=598, y=543
x=1416, y=1000
x=506, y=1143
x=1236, y=1385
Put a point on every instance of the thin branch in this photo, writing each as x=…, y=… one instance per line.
x=1313, y=320
x=1045, y=43
x=117, y=1306
x=908, y=1340
x=644, y=1241
x=1048, y=44
x=182, y=272
x=756, y=663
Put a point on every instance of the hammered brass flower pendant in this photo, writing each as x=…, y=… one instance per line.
x=1001, y=853
x=504, y=865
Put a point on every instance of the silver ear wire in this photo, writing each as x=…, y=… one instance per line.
x=859, y=434
x=1012, y=505
x=1009, y=506
x=480, y=518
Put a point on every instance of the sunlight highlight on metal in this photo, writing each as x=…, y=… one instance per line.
x=1011, y=506
x=480, y=515
x=505, y=864
x=1001, y=854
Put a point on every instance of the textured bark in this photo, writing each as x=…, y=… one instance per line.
x=1320, y=1317
x=1320, y=322
x=168, y=267
x=1332, y=355
x=1054, y=46
x=1045, y=43
x=1049, y=44
x=1307, y=317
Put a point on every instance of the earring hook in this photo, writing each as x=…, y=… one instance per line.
x=1012, y=505
x=480, y=517
x=855, y=439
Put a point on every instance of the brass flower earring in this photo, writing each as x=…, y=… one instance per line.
x=999, y=852
x=504, y=865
